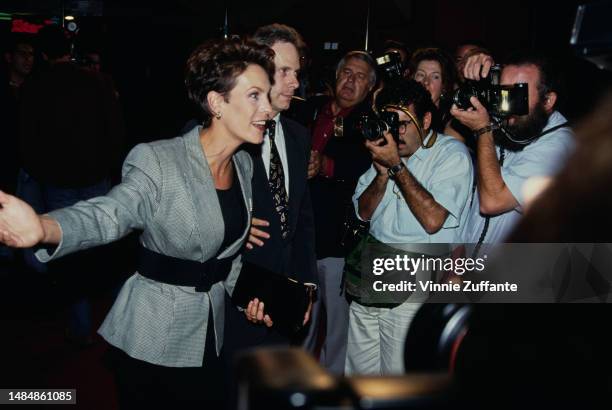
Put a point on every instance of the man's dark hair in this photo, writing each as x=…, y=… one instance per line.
x=550, y=77
x=473, y=42
x=449, y=71
x=215, y=65
x=407, y=92
x=272, y=33
x=52, y=41
x=15, y=39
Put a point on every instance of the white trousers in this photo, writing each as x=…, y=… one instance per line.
x=376, y=338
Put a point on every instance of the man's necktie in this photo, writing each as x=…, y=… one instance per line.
x=277, y=184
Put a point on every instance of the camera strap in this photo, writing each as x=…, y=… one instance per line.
x=431, y=141
x=555, y=128
x=417, y=123
x=518, y=141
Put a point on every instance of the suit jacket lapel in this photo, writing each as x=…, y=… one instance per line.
x=260, y=179
x=208, y=211
x=295, y=160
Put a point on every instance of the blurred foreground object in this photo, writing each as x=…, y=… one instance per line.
x=290, y=379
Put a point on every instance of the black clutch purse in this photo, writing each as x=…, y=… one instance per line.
x=285, y=300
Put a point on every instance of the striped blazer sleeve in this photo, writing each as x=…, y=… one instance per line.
x=104, y=219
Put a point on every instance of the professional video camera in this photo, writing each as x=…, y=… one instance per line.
x=390, y=66
x=500, y=100
x=372, y=126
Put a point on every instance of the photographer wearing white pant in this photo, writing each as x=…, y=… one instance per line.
x=415, y=193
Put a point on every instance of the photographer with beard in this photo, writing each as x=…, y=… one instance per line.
x=503, y=167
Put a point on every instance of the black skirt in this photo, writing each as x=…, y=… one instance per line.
x=142, y=384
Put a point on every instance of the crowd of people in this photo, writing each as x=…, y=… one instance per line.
x=230, y=190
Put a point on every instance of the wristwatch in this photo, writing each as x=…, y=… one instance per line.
x=393, y=171
x=484, y=130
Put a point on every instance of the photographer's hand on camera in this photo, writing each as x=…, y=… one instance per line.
x=382, y=171
x=476, y=118
x=384, y=151
x=477, y=66
x=493, y=193
x=383, y=157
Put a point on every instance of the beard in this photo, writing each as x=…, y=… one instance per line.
x=528, y=128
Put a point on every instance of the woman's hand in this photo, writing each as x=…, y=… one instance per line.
x=20, y=226
x=255, y=313
x=311, y=295
x=308, y=313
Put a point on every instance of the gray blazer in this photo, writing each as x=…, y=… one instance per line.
x=167, y=191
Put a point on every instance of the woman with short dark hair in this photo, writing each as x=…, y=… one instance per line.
x=191, y=197
x=434, y=68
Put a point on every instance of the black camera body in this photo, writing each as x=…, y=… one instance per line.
x=390, y=66
x=372, y=126
x=500, y=100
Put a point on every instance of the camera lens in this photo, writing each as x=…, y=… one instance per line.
x=370, y=126
x=462, y=96
x=372, y=130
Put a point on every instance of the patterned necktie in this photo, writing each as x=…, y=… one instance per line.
x=277, y=183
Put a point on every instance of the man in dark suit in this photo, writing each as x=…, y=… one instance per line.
x=282, y=235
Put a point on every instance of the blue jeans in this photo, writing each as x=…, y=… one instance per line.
x=45, y=198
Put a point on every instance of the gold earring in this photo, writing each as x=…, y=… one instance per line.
x=218, y=115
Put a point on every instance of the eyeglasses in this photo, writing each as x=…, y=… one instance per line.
x=403, y=126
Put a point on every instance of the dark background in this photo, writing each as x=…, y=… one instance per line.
x=145, y=44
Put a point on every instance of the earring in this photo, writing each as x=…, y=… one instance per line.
x=218, y=115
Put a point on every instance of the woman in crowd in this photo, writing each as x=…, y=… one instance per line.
x=435, y=69
x=191, y=197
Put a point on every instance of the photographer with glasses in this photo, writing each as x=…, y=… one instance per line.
x=415, y=193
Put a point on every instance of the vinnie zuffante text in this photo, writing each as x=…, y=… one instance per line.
x=404, y=264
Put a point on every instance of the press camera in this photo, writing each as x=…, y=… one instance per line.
x=390, y=66
x=500, y=100
x=372, y=126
